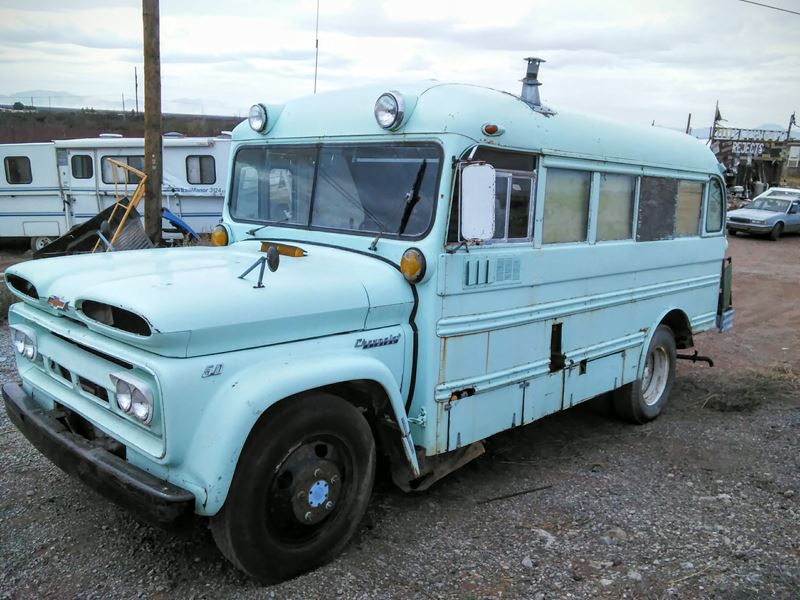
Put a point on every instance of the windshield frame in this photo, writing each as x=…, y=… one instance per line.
x=338, y=143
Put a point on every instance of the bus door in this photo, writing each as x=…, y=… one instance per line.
x=495, y=369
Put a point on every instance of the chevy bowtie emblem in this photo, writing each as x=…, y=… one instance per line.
x=57, y=303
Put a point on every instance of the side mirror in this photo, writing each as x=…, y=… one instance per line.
x=477, y=202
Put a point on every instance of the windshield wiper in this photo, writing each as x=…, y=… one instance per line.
x=255, y=230
x=412, y=198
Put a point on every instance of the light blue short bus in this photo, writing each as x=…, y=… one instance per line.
x=400, y=271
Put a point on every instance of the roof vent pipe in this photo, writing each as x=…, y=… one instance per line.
x=531, y=83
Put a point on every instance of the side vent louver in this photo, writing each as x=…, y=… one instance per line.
x=116, y=317
x=23, y=286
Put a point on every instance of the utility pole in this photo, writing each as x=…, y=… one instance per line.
x=136, y=88
x=792, y=121
x=689, y=124
x=152, y=121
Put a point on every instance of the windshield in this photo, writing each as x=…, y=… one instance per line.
x=369, y=188
x=782, y=194
x=771, y=204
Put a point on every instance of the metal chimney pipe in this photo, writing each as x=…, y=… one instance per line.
x=531, y=83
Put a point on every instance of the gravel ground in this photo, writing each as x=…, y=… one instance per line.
x=703, y=502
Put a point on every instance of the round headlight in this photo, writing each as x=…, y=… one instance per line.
x=219, y=236
x=24, y=340
x=412, y=265
x=257, y=117
x=142, y=406
x=124, y=399
x=389, y=110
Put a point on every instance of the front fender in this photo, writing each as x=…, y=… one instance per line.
x=230, y=416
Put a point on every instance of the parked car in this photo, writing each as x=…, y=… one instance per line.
x=773, y=213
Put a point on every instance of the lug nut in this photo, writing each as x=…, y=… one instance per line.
x=317, y=472
x=308, y=516
x=328, y=505
x=335, y=479
x=301, y=494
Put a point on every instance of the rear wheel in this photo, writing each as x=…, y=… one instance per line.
x=776, y=231
x=301, y=487
x=643, y=400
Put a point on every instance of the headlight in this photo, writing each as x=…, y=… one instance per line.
x=758, y=221
x=134, y=397
x=389, y=110
x=24, y=340
x=257, y=117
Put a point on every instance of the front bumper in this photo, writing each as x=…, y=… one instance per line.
x=749, y=227
x=152, y=499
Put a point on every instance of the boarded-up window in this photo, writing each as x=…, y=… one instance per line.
x=615, y=211
x=714, y=210
x=690, y=199
x=566, y=206
x=200, y=169
x=18, y=169
x=657, y=200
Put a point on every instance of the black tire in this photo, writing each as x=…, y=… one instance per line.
x=731, y=232
x=637, y=402
x=776, y=231
x=304, y=453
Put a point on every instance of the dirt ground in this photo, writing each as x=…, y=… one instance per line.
x=702, y=502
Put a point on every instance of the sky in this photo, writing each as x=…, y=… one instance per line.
x=637, y=61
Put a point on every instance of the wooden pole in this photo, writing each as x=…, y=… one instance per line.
x=136, y=87
x=689, y=124
x=152, y=121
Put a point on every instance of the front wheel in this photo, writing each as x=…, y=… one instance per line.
x=37, y=243
x=301, y=487
x=643, y=400
x=776, y=231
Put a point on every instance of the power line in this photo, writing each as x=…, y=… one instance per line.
x=794, y=12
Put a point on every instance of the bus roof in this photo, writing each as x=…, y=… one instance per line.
x=451, y=108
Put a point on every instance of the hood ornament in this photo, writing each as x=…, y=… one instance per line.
x=57, y=303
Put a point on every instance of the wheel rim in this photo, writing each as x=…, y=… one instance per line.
x=656, y=374
x=41, y=242
x=307, y=489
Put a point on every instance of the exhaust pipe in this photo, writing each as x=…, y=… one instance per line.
x=531, y=83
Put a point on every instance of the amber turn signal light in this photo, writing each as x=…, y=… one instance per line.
x=412, y=265
x=219, y=236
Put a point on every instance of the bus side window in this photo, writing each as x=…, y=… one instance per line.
x=566, y=206
x=657, y=202
x=714, y=210
x=615, y=211
x=18, y=169
x=690, y=201
x=82, y=166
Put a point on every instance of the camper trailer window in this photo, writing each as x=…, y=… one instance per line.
x=566, y=206
x=714, y=210
x=690, y=200
x=137, y=162
x=18, y=169
x=615, y=210
x=82, y=166
x=201, y=169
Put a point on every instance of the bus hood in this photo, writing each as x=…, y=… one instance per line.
x=195, y=302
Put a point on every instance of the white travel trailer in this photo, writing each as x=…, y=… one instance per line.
x=50, y=187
